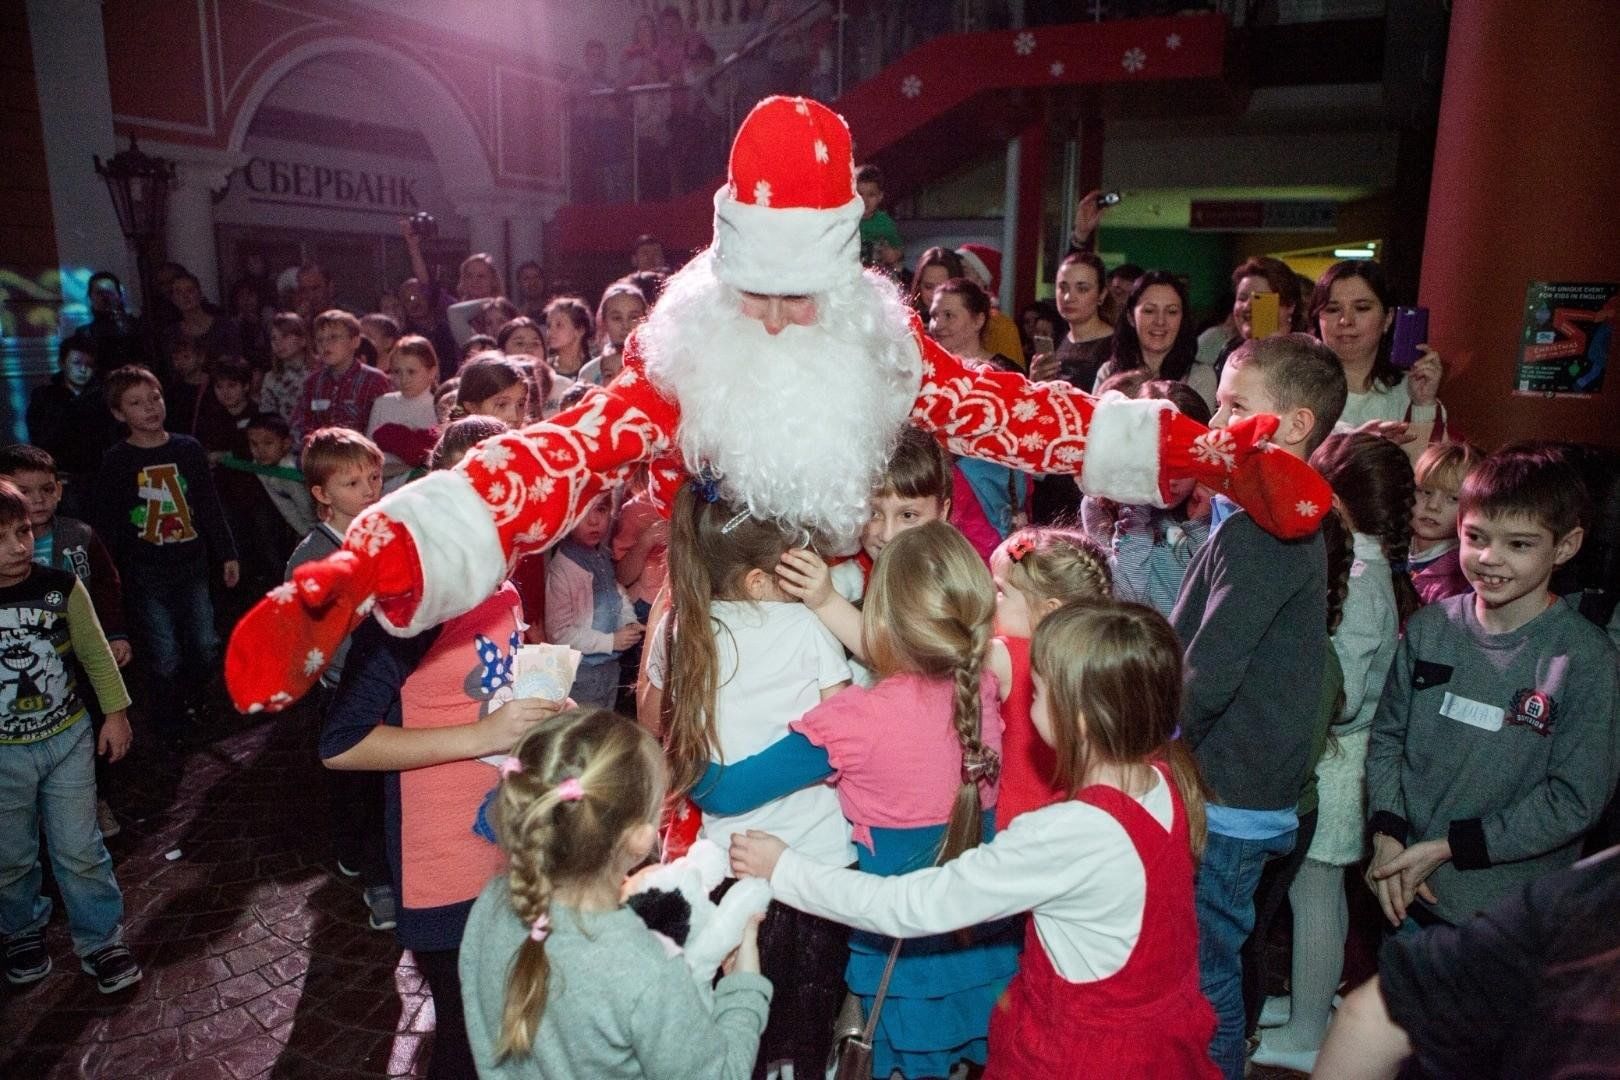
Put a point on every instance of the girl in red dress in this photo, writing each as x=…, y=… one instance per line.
x=1108, y=985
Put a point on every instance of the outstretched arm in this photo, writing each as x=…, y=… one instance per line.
x=437, y=547
x=1125, y=450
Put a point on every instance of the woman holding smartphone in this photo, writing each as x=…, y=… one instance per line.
x=1351, y=313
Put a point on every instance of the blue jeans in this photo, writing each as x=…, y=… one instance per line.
x=1227, y=879
x=173, y=619
x=53, y=782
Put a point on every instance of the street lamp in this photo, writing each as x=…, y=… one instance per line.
x=139, y=186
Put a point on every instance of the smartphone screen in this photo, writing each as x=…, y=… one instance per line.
x=1265, y=316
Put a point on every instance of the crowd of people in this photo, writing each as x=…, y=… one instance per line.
x=1144, y=727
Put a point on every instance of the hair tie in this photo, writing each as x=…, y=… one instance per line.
x=980, y=765
x=571, y=790
x=511, y=766
x=540, y=929
x=708, y=484
x=1020, y=545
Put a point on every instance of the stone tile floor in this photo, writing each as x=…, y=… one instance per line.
x=257, y=956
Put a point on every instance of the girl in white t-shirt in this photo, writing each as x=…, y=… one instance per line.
x=743, y=662
x=1108, y=983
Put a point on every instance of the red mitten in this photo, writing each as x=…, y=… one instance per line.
x=280, y=647
x=1284, y=495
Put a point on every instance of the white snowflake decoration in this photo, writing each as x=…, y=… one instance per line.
x=497, y=492
x=762, y=193
x=1024, y=43
x=1215, y=447
x=363, y=608
x=371, y=534
x=283, y=594
x=1305, y=508
x=1069, y=454
x=311, y=586
x=821, y=152
x=494, y=455
x=1057, y=69
x=911, y=86
x=313, y=662
x=1024, y=410
x=1134, y=60
x=1173, y=42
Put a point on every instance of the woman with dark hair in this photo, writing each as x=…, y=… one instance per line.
x=1089, y=340
x=1350, y=311
x=1155, y=335
x=1254, y=277
x=935, y=267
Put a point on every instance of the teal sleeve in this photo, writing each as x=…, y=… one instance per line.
x=783, y=767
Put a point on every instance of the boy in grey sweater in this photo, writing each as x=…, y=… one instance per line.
x=1253, y=619
x=1496, y=742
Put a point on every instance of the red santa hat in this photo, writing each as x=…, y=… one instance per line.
x=788, y=220
x=983, y=262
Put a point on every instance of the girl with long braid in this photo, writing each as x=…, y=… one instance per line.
x=915, y=762
x=559, y=979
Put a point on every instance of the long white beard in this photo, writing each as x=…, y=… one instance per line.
x=800, y=425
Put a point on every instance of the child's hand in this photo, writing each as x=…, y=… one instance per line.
x=501, y=729
x=1385, y=850
x=115, y=736
x=1408, y=872
x=1396, y=431
x=233, y=573
x=121, y=651
x=626, y=636
x=755, y=854
x=804, y=575
x=745, y=957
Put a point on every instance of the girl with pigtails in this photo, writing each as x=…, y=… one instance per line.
x=742, y=661
x=914, y=761
x=558, y=978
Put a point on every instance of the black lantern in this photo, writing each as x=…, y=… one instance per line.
x=139, y=186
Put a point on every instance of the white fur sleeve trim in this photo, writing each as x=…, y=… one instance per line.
x=785, y=250
x=460, y=550
x=1122, y=450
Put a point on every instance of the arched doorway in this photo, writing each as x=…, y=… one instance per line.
x=341, y=138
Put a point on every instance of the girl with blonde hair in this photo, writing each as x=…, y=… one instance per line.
x=1108, y=983
x=914, y=760
x=558, y=977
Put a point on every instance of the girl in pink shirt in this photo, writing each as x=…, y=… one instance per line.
x=914, y=760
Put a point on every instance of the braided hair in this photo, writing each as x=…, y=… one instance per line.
x=929, y=610
x=572, y=790
x=1372, y=479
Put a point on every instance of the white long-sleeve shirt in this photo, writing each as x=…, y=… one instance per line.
x=1071, y=864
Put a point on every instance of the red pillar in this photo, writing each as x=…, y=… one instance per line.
x=1031, y=197
x=1526, y=180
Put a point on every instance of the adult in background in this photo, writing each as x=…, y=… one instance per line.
x=424, y=304
x=531, y=291
x=1089, y=339
x=982, y=263
x=118, y=337
x=68, y=417
x=1255, y=277
x=314, y=293
x=1154, y=334
x=1350, y=311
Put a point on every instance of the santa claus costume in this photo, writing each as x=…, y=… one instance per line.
x=796, y=421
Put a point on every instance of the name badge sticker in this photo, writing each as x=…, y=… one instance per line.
x=1473, y=713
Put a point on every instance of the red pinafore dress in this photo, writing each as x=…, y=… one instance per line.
x=1148, y=1020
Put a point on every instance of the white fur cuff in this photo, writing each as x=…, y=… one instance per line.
x=456, y=540
x=1122, y=450
x=785, y=251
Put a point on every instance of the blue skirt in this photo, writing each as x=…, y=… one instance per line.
x=937, y=1011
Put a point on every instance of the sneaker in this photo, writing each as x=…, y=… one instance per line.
x=26, y=958
x=346, y=870
x=380, y=902
x=113, y=967
x=1294, y=1060
x=106, y=820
